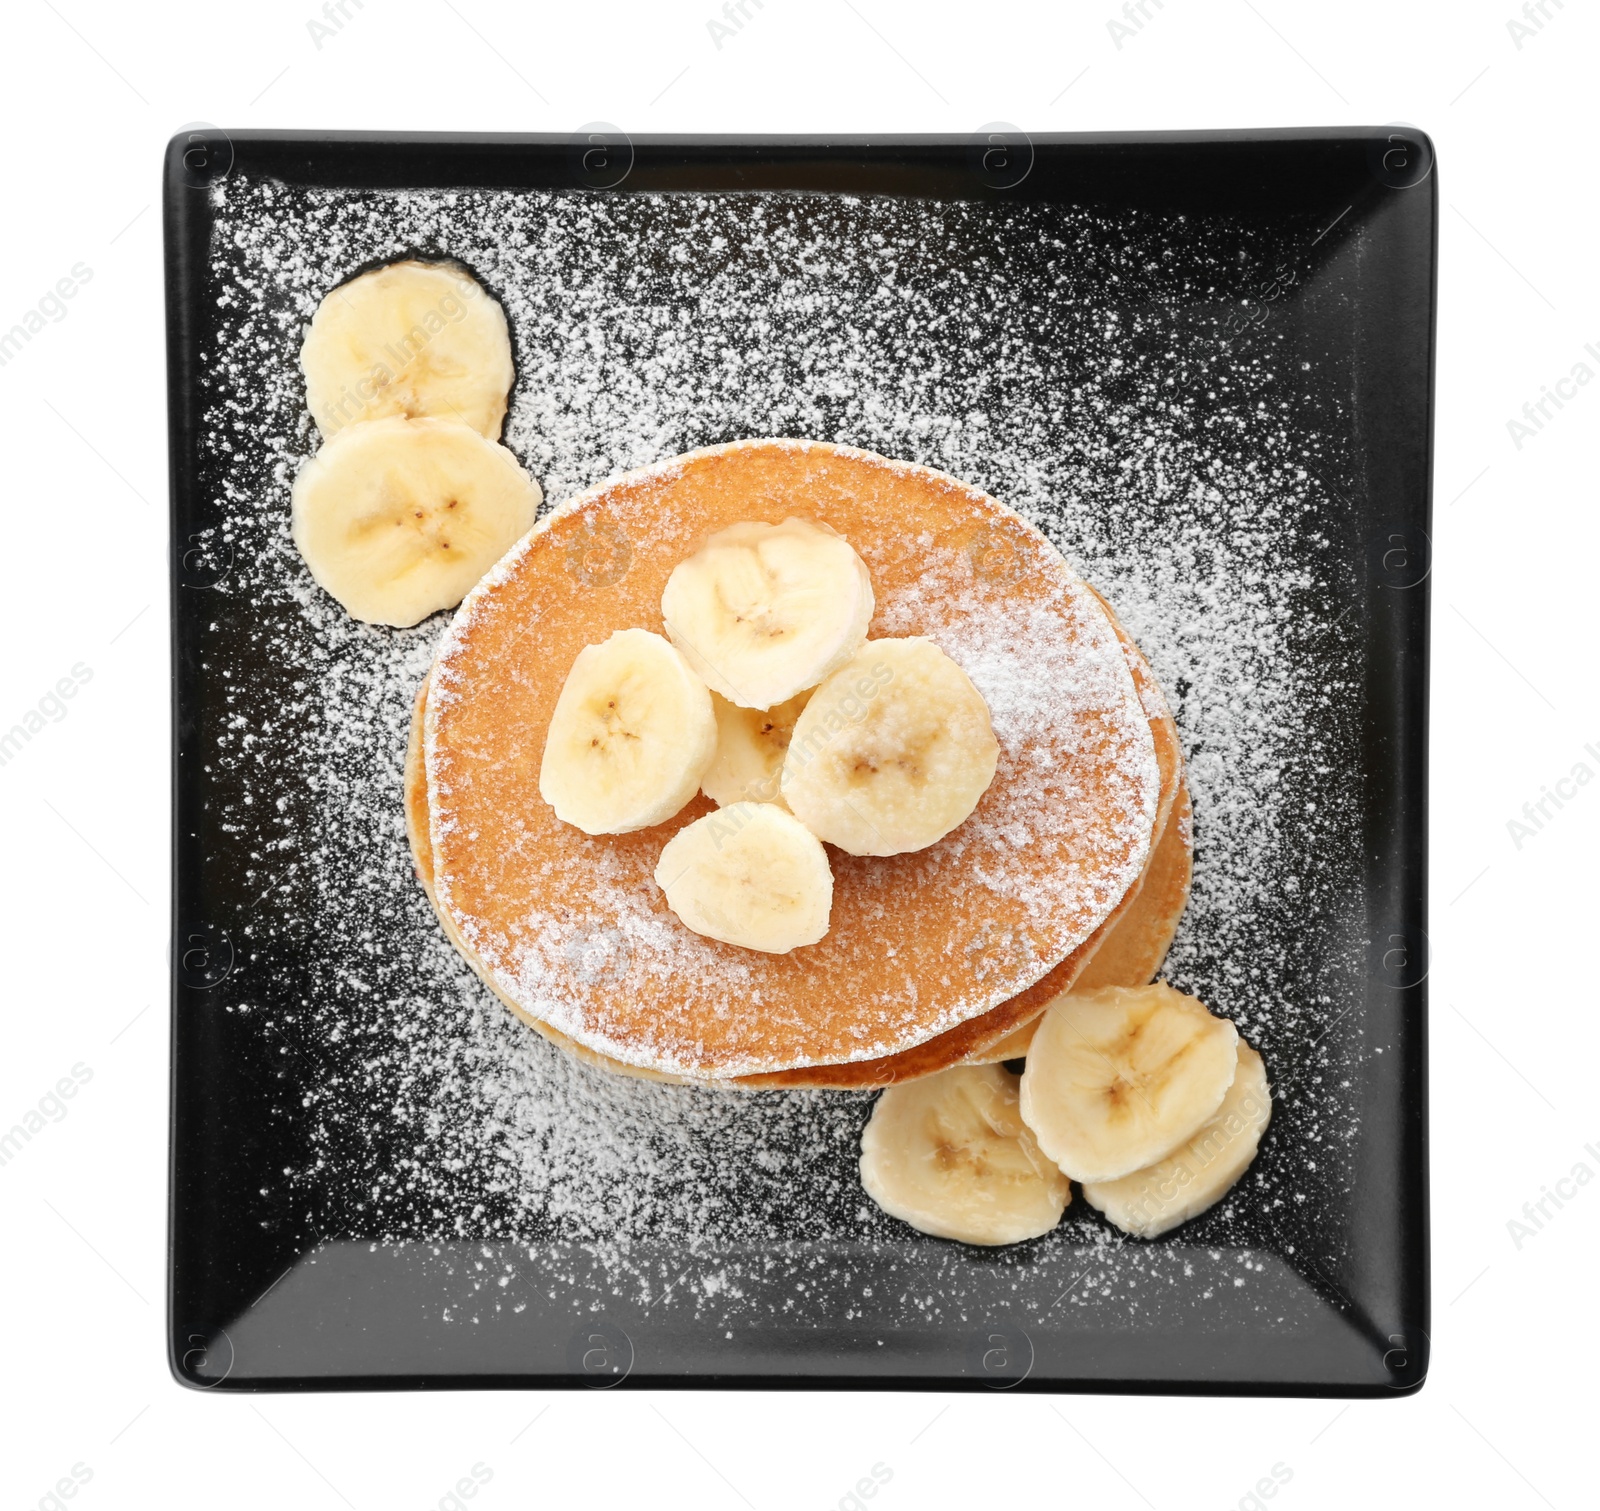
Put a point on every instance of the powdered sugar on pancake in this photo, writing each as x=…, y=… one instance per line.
x=1016, y=660
x=1054, y=845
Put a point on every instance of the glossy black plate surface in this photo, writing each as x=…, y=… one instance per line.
x=1137, y=341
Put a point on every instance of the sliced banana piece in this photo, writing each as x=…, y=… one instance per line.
x=892, y=752
x=630, y=738
x=950, y=1155
x=1199, y=1173
x=399, y=518
x=765, y=611
x=751, y=743
x=749, y=874
x=410, y=339
x=1118, y=1078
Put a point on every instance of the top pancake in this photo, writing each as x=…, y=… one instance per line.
x=1052, y=848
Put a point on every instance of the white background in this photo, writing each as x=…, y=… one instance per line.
x=92, y=92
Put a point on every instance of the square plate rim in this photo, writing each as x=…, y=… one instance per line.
x=180, y=202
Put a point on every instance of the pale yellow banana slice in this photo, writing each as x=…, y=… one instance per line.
x=1118, y=1078
x=1200, y=1172
x=950, y=1155
x=410, y=339
x=892, y=752
x=630, y=738
x=765, y=611
x=399, y=518
x=751, y=742
x=749, y=874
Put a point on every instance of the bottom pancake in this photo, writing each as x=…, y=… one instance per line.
x=1135, y=953
x=1135, y=950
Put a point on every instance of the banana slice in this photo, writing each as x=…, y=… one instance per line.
x=1201, y=1172
x=892, y=752
x=1118, y=1078
x=749, y=874
x=765, y=611
x=751, y=742
x=399, y=518
x=411, y=339
x=950, y=1155
x=630, y=738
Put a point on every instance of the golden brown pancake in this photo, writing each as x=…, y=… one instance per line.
x=1127, y=950
x=1048, y=856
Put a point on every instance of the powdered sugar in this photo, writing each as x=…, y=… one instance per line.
x=1067, y=361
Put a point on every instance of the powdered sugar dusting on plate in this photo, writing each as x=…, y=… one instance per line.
x=1070, y=362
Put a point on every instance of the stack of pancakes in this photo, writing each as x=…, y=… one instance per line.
x=1072, y=871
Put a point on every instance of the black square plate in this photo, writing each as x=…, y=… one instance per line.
x=1201, y=363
